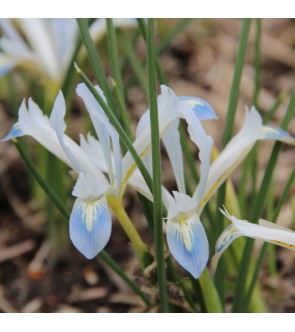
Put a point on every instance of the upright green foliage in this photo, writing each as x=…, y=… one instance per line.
x=156, y=160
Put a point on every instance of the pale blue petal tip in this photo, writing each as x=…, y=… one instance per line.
x=201, y=108
x=277, y=133
x=14, y=132
x=5, y=69
x=194, y=260
x=90, y=239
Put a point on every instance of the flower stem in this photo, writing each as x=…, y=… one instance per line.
x=140, y=248
x=210, y=294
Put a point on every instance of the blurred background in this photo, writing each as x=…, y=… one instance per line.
x=199, y=61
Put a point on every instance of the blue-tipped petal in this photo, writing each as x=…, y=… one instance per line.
x=90, y=226
x=200, y=107
x=188, y=244
x=14, y=132
x=5, y=69
x=268, y=132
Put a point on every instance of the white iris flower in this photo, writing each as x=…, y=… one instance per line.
x=45, y=46
x=186, y=235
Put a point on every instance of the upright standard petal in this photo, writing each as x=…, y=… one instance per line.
x=168, y=112
x=265, y=231
x=90, y=226
x=58, y=124
x=204, y=142
x=188, y=244
x=105, y=132
x=171, y=140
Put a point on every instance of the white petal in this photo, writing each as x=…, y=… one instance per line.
x=233, y=154
x=168, y=112
x=265, y=231
x=34, y=123
x=89, y=187
x=105, y=132
x=58, y=124
x=181, y=206
x=188, y=244
x=171, y=140
x=137, y=182
x=65, y=35
x=90, y=226
x=40, y=38
x=204, y=143
x=93, y=149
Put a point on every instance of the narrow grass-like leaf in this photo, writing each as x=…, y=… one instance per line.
x=270, y=114
x=179, y=27
x=229, y=124
x=114, y=58
x=65, y=212
x=156, y=161
x=95, y=61
x=161, y=76
x=257, y=63
x=135, y=63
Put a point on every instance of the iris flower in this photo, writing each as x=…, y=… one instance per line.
x=45, y=46
x=186, y=236
x=266, y=231
x=102, y=171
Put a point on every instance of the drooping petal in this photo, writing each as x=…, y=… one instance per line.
x=223, y=242
x=265, y=231
x=278, y=134
x=238, y=148
x=171, y=140
x=188, y=244
x=32, y=122
x=200, y=107
x=204, y=142
x=233, y=154
x=90, y=226
x=14, y=133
